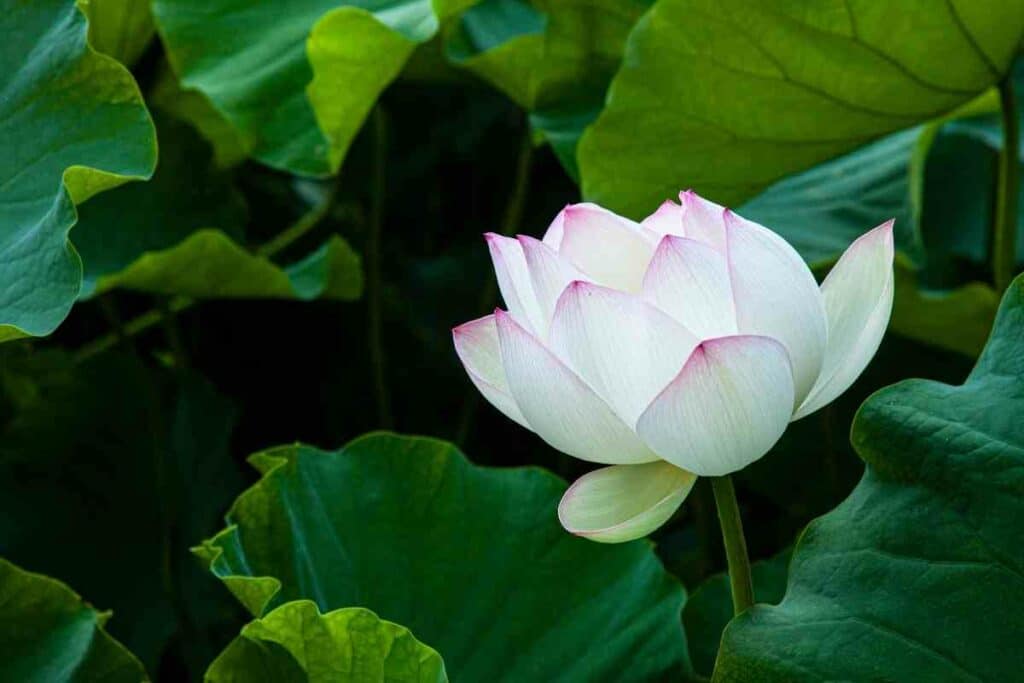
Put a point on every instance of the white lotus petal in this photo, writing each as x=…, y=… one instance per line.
x=610, y=249
x=703, y=220
x=624, y=502
x=776, y=296
x=553, y=235
x=727, y=407
x=514, y=280
x=858, y=295
x=559, y=406
x=690, y=281
x=667, y=220
x=550, y=275
x=624, y=348
x=476, y=344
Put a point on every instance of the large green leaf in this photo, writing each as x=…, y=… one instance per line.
x=709, y=608
x=119, y=28
x=108, y=473
x=919, y=574
x=295, y=643
x=296, y=81
x=182, y=234
x=73, y=124
x=554, y=58
x=471, y=559
x=727, y=97
x=48, y=634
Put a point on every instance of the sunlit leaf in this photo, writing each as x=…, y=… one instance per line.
x=295, y=81
x=182, y=234
x=471, y=559
x=73, y=124
x=295, y=643
x=918, y=574
x=119, y=28
x=48, y=634
x=727, y=97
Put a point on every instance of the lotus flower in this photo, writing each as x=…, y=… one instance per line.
x=678, y=347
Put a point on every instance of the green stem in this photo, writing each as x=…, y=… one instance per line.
x=1004, y=230
x=151, y=318
x=735, y=544
x=374, y=302
x=510, y=221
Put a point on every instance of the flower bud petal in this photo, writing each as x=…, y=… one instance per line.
x=725, y=409
x=476, y=344
x=559, y=406
x=624, y=502
x=703, y=220
x=514, y=280
x=549, y=273
x=612, y=250
x=690, y=281
x=667, y=220
x=858, y=295
x=623, y=347
x=776, y=296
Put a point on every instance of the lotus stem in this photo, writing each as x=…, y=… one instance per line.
x=374, y=302
x=1004, y=229
x=735, y=544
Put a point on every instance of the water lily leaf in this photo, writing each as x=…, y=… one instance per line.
x=73, y=124
x=709, y=608
x=109, y=471
x=295, y=84
x=48, y=634
x=406, y=527
x=930, y=536
x=296, y=643
x=119, y=28
x=727, y=97
x=182, y=234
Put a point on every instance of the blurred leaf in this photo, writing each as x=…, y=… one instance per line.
x=180, y=234
x=119, y=28
x=73, y=124
x=106, y=478
x=471, y=559
x=555, y=59
x=296, y=643
x=728, y=97
x=918, y=574
x=709, y=608
x=295, y=112
x=48, y=634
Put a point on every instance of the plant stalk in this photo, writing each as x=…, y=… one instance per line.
x=735, y=544
x=1004, y=229
x=374, y=300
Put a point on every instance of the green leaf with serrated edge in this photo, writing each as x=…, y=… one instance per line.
x=296, y=643
x=109, y=471
x=727, y=97
x=709, y=608
x=919, y=573
x=295, y=83
x=73, y=124
x=48, y=634
x=119, y=28
x=406, y=527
